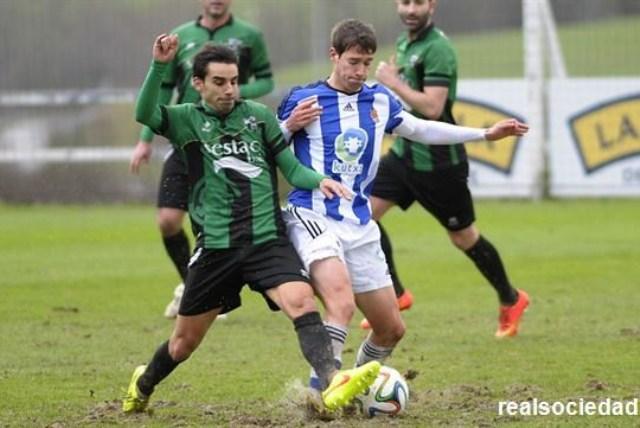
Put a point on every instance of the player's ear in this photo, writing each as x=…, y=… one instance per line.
x=197, y=83
x=333, y=54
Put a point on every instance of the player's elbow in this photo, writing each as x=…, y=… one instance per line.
x=269, y=85
x=431, y=112
x=141, y=116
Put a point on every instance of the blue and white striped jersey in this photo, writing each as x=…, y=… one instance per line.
x=344, y=144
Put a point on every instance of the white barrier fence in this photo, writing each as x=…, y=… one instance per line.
x=592, y=136
x=592, y=144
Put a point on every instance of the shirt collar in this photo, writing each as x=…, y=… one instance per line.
x=228, y=22
x=209, y=111
x=422, y=34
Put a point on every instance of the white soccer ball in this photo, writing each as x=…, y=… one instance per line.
x=388, y=395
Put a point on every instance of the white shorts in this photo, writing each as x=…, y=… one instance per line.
x=318, y=237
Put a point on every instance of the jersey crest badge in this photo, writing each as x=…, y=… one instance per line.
x=374, y=115
x=251, y=123
x=234, y=44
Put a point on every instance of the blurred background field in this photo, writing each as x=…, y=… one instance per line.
x=77, y=90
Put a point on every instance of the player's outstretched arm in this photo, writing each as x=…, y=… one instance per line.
x=147, y=106
x=302, y=177
x=440, y=133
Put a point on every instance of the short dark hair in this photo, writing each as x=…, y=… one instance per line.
x=212, y=53
x=353, y=33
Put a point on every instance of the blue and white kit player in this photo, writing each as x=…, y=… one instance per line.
x=336, y=126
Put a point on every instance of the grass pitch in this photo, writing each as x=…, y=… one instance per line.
x=82, y=292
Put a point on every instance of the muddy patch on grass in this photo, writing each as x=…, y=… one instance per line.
x=455, y=405
x=466, y=404
x=106, y=410
x=630, y=332
x=110, y=412
x=596, y=385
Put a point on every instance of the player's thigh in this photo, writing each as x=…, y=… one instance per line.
x=366, y=262
x=275, y=270
x=379, y=207
x=294, y=298
x=391, y=185
x=321, y=251
x=311, y=235
x=214, y=281
x=446, y=195
x=173, y=190
x=331, y=280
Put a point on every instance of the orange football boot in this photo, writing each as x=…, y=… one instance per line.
x=510, y=316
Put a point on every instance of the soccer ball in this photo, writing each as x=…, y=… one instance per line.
x=388, y=395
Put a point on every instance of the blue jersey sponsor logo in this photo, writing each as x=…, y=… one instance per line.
x=349, y=147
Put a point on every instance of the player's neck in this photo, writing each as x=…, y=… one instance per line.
x=211, y=23
x=414, y=34
x=335, y=83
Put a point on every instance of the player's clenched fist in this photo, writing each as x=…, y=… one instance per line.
x=165, y=47
x=506, y=128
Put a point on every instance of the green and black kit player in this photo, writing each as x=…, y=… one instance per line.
x=233, y=148
x=425, y=76
x=429, y=60
x=218, y=25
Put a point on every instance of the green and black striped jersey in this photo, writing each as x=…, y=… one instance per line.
x=429, y=60
x=245, y=39
x=231, y=164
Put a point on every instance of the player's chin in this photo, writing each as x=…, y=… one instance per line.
x=355, y=84
x=227, y=103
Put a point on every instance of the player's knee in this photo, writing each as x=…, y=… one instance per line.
x=181, y=348
x=392, y=333
x=340, y=306
x=306, y=304
x=298, y=303
x=347, y=307
x=169, y=224
x=464, y=239
x=397, y=332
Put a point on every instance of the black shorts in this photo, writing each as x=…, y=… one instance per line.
x=216, y=277
x=444, y=193
x=173, y=191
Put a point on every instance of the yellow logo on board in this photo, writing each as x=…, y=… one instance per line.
x=607, y=132
x=495, y=154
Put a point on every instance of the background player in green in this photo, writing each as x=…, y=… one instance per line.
x=424, y=75
x=233, y=147
x=215, y=24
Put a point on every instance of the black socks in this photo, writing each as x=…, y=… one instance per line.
x=177, y=247
x=161, y=366
x=488, y=262
x=315, y=345
x=385, y=243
